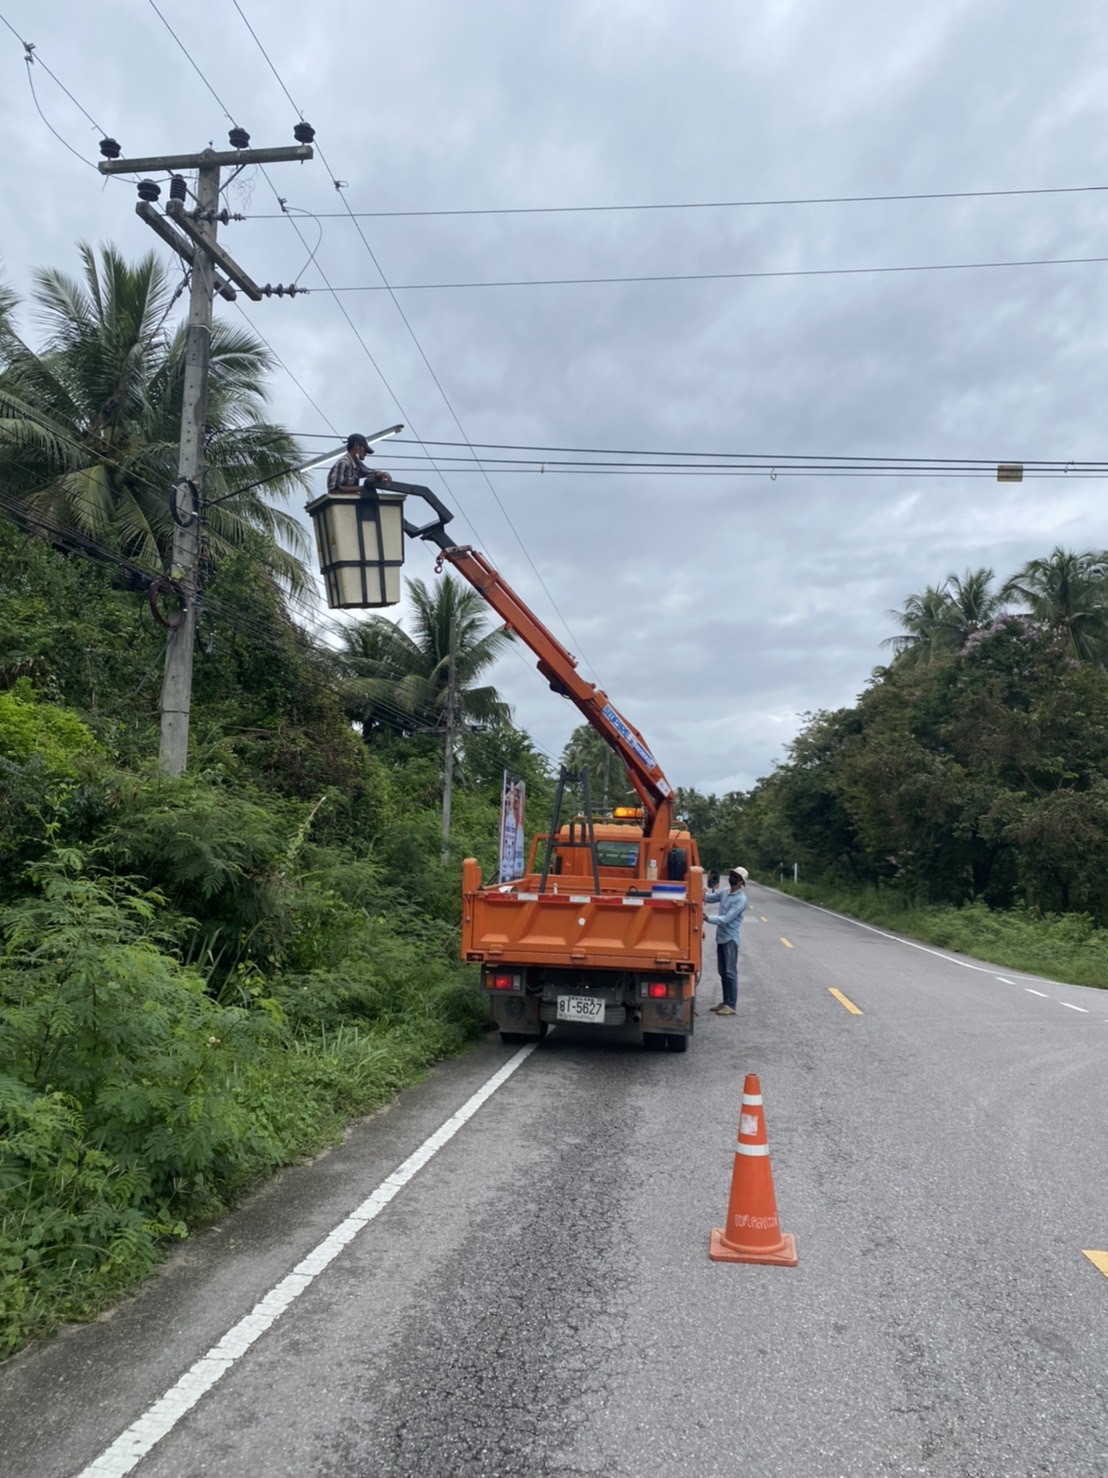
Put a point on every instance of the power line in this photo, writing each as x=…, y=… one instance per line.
x=32, y=59
x=414, y=337
x=185, y=52
x=722, y=276
x=536, y=210
x=333, y=434
x=765, y=460
x=773, y=473
x=30, y=47
x=283, y=203
x=102, y=554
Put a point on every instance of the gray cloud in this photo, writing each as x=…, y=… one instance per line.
x=714, y=611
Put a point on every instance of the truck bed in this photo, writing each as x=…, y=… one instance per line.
x=634, y=926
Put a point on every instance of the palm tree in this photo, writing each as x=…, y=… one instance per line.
x=609, y=783
x=925, y=619
x=974, y=604
x=8, y=304
x=941, y=618
x=1068, y=593
x=90, y=421
x=409, y=682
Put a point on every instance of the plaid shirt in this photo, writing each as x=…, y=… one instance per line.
x=348, y=472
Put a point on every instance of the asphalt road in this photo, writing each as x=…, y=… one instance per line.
x=532, y=1294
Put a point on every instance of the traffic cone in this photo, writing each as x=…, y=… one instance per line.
x=752, y=1233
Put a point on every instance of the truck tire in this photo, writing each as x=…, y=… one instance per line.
x=677, y=1042
x=654, y=1041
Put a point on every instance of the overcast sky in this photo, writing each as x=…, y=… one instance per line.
x=714, y=610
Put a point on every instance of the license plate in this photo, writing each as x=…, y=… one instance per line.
x=580, y=1008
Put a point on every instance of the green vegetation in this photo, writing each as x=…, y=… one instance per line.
x=202, y=978
x=964, y=797
x=1066, y=947
x=90, y=419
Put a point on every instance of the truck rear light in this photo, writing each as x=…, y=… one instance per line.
x=657, y=990
x=503, y=981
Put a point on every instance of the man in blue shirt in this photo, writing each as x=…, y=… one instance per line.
x=729, y=923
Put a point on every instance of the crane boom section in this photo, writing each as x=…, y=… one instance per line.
x=559, y=667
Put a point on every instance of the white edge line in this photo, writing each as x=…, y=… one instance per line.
x=911, y=944
x=143, y=1434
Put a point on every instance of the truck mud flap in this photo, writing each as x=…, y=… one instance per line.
x=515, y=1013
x=671, y=1017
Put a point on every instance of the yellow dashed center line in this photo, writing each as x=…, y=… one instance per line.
x=850, y=1006
x=785, y=942
x=1098, y=1260
x=763, y=918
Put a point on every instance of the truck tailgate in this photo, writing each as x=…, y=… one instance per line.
x=613, y=932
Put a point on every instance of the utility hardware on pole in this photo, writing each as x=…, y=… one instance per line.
x=192, y=235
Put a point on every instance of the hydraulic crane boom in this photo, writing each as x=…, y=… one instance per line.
x=556, y=664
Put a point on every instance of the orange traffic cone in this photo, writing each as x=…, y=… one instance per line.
x=752, y=1233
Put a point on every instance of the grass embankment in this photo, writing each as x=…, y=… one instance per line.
x=136, y=1103
x=1066, y=947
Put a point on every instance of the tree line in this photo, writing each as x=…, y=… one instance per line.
x=975, y=764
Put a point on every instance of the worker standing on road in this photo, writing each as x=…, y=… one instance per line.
x=729, y=923
x=349, y=470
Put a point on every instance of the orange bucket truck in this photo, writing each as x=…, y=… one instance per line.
x=604, y=928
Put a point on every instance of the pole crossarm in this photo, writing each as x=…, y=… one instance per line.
x=175, y=210
x=146, y=212
x=217, y=157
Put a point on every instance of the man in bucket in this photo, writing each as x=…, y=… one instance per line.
x=349, y=470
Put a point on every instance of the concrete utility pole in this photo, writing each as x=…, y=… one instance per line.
x=448, y=755
x=192, y=235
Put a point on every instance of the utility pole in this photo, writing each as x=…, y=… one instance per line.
x=192, y=235
x=448, y=758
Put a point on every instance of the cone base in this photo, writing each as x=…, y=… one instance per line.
x=720, y=1250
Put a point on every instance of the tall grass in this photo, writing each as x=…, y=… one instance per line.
x=1065, y=947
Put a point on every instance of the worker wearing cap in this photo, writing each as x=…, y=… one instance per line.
x=729, y=923
x=349, y=470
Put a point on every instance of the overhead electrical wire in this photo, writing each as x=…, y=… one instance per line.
x=286, y=211
x=34, y=522
x=628, y=279
x=619, y=459
x=281, y=200
x=32, y=59
x=415, y=340
x=784, y=466
x=17, y=511
x=750, y=204
x=775, y=457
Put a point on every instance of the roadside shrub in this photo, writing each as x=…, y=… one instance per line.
x=93, y=1008
x=54, y=736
